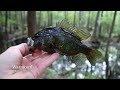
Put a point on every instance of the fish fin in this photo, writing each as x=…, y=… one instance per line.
x=93, y=55
x=82, y=35
x=78, y=59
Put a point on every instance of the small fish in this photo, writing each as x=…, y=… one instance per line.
x=65, y=39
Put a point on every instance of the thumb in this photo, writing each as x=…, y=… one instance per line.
x=23, y=48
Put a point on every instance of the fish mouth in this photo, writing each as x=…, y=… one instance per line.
x=30, y=42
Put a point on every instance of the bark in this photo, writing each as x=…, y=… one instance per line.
x=88, y=21
x=80, y=16
x=66, y=15
x=39, y=19
x=6, y=24
x=100, y=27
x=49, y=18
x=74, y=22
x=96, y=25
x=108, y=43
x=31, y=22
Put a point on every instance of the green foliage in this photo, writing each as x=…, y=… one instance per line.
x=90, y=76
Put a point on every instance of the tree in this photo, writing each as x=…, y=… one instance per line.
x=10, y=25
x=66, y=15
x=80, y=18
x=6, y=24
x=88, y=21
x=108, y=43
x=31, y=22
x=96, y=25
x=74, y=22
x=39, y=19
x=100, y=27
x=22, y=23
x=49, y=18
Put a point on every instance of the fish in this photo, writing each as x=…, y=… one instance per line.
x=65, y=39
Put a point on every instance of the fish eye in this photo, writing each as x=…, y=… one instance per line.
x=37, y=35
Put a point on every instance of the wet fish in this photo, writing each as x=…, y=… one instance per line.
x=65, y=39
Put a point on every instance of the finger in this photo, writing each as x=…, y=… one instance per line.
x=30, y=57
x=23, y=48
x=37, y=52
x=41, y=58
x=41, y=66
x=47, y=62
x=44, y=54
x=26, y=62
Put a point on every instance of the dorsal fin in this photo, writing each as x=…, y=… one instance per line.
x=66, y=26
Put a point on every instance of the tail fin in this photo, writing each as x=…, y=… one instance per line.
x=93, y=55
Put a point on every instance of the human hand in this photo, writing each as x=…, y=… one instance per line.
x=13, y=65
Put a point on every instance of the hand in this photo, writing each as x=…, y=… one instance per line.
x=14, y=66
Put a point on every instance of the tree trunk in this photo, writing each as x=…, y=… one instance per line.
x=0, y=13
x=66, y=15
x=49, y=18
x=96, y=25
x=108, y=43
x=63, y=65
x=76, y=73
x=31, y=22
x=24, y=20
x=16, y=19
x=80, y=16
x=23, y=27
x=6, y=26
x=10, y=26
x=88, y=21
x=39, y=20
x=91, y=69
x=74, y=22
x=22, y=23
x=100, y=27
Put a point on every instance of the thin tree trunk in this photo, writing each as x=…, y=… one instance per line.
x=31, y=20
x=6, y=26
x=66, y=15
x=80, y=16
x=24, y=20
x=49, y=18
x=76, y=73
x=100, y=27
x=88, y=21
x=87, y=67
x=16, y=19
x=91, y=69
x=63, y=65
x=10, y=26
x=74, y=22
x=39, y=20
x=96, y=25
x=0, y=13
x=108, y=43
x=22, y=23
